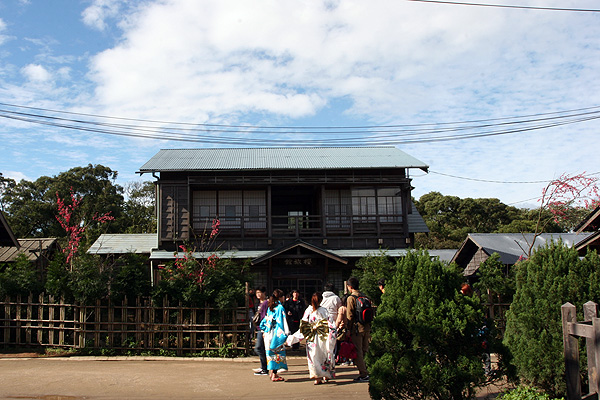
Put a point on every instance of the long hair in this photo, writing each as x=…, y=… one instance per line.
x=316, y=300
x=274, y=299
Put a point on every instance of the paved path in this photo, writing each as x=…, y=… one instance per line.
x=74, y=378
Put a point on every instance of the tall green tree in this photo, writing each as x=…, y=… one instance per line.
x=31, y=207
x=369, y=270
x=140, y=207
x=450, y=219
x=552, y=276
x=427, y=336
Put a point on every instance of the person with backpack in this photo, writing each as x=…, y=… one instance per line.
x=359, y=312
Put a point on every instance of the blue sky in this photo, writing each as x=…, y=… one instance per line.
x=305, y=63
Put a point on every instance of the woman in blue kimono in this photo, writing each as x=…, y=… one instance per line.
x=275, y=332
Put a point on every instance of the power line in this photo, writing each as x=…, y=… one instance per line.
x=287, y=135
x=486, y=180
x=460, y=3
x=536, y=116
x=501, y=182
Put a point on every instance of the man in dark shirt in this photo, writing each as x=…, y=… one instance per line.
x=294, y=310
x=259, y=347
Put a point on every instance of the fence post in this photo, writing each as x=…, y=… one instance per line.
x=51, y=319
x=166, y=323
x=62, y=315
x=29, y=316
x=82, y=324
x=18, y=320
x=179, y=329
x=7, y=316
x=571, y=349
x=590, y=313
x=40, y=331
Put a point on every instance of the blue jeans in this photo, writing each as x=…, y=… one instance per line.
x=259, y=349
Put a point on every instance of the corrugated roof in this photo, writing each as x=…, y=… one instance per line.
x=511, y=246
x=124, y=243
x=289, y=158
x=32, y=248
x=443, y=254
x=243, y=254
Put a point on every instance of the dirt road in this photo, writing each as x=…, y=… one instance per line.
x=75, y=378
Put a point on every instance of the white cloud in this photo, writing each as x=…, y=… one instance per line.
x=3, y=38
x=95, y=15
x=394, y=60
x=36, y=73
x=16, y=175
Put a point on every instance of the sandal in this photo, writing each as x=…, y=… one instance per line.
x=317, y=382
x=278, y=379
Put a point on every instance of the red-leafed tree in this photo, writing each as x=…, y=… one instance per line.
x=568, y=199
x=198, y=275
x=73, y=226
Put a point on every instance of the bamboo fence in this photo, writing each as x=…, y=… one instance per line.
x=132, y=324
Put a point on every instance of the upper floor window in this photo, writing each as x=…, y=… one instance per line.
x=234, y=208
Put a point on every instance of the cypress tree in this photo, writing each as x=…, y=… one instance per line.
x=427, y=336
x=552, y=276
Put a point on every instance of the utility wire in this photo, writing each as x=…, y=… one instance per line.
x=460, y=3
x=557, y=114
x=502, y=182
x=288, y=136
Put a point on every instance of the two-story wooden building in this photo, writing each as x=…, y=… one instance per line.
x=301, y=215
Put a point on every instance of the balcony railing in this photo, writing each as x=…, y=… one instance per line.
x=285, y=226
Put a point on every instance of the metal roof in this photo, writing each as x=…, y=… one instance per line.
x=243, y=254
x=124, y=243
x=32, y=248
x=443, y=254
x=288, y=158
x=511, y=246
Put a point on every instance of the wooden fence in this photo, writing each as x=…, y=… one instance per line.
x=590, y=330
x=135, y=324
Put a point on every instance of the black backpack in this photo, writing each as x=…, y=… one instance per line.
x=364, y=310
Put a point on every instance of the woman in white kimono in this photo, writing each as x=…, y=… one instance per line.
x=316, y=328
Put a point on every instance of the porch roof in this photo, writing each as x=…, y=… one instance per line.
x=288, y=158
x=123, y=243
x=31, y=248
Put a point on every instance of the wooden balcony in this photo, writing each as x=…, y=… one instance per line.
x=304, y=226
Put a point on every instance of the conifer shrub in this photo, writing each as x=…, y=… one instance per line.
x=19, y=278
x=427, y=336
x=552, y=276
x=369, y=270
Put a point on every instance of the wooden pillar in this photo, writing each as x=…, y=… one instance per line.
x=571, y=350
x=269, y=214
x=323, y=213
x=592, y=344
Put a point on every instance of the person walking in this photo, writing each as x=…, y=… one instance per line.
x=275, y=332
x=294, y=309
x=259, y=346
x=332, y=303
x=315, y=328
x=360, y=334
